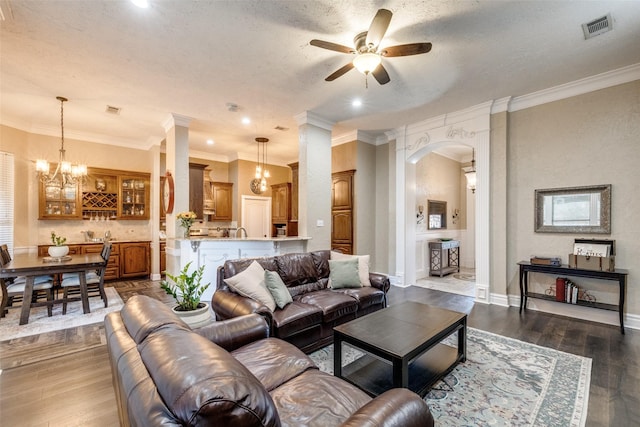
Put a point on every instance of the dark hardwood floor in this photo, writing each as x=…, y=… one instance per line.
x=41, y=385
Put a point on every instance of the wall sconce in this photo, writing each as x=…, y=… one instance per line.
x=420, y=215
x=456, y=213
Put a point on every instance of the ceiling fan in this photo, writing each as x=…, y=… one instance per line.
x=367, y=51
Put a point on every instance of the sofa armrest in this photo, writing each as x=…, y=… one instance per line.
x=396, y=407
x=227, y=305
x=234, y=333
x=380, y=281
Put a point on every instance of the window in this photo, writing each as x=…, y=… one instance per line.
x=6, y=199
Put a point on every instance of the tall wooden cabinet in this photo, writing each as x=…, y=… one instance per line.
x=196, y=189
x=342, y=211
x=281, y=210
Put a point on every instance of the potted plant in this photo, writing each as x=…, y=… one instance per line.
x=187, y=291
x=59, y=249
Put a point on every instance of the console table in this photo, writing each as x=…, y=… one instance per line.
x=444, y=251
x=618, y=275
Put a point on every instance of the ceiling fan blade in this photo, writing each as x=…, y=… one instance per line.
x=406, y=49
x=331, y=46
x=340, y=72
x=378, y=27
x=381, y=75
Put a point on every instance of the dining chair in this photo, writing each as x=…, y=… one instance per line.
x=95, y=281
x=42, y=287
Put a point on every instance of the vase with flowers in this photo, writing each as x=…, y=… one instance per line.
x=186, y=221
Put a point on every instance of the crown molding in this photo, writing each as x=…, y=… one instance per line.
x=578, y=87
x=355, y=135
x=175, y=120
x=307, y=117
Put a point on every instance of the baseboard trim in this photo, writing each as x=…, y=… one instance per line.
x=631, y=321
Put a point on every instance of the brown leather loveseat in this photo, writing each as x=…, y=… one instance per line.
x=308, y=321
x=231, y=373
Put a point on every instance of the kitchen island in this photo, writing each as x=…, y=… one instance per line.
x=212, y=252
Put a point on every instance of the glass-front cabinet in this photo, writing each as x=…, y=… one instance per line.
x=104, y=195
x=59, y=201
x=134, y=197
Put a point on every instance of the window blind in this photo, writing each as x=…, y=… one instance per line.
x=6, y=199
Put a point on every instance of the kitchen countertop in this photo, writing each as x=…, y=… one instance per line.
x=245, y=239
x=82, y=242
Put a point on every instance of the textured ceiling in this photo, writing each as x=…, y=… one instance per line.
x=192, y=58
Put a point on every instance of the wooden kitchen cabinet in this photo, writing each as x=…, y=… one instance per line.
x=134, y=197
x=222, y=193
x=43, y=250
x=105, y=194
x=58, y=202
x=134, y=259
x=294, y=190
x=280, y=203
x=281, y=210
x=196, y=189
x=127, y=259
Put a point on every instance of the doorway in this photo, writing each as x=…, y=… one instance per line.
x=256, y=216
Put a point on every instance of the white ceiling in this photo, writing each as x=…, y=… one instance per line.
x=192, y=58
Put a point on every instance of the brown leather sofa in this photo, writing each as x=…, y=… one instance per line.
x=308, y=321
x=231, y=373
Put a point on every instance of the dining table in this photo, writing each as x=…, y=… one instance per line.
x=32, y=265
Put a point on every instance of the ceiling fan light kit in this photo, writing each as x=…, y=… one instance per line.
x=367, y=49
x=367, y=62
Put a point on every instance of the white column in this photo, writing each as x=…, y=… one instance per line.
x=400, y=201
x=177, y=162
x=314, y=180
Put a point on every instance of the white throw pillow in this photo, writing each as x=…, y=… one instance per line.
x=250, y=283
x=363, y=266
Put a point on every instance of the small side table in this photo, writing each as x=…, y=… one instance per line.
x=444, y=257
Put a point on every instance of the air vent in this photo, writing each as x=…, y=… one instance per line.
x=113, y=110
x=282, y=128
x=597, y=27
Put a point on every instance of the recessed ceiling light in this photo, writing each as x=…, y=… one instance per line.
x=141, y=3
x=246, y=120
x=209, y=141
x=356, y=103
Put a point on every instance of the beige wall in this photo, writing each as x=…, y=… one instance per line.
x=585, y=140
x=440, y=178
x=27, y=147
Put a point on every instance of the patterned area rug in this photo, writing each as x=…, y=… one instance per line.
x=40, y=323
x=504, y=382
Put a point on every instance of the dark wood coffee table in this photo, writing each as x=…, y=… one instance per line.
x=402, y=346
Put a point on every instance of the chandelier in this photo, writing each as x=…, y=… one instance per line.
x=65, y=174
x=259, y=183
x=471, y=173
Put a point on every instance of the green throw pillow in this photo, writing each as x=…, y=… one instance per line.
x=344, y=273
x=278, y=289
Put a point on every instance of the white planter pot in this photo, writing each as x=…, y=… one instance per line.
x=58, y=251
x=196, y=318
